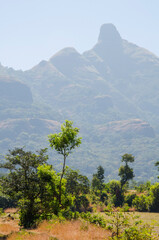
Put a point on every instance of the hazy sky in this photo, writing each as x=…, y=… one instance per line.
x=34, y=30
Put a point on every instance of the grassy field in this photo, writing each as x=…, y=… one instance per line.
x=67, y=230
x=151, y=219
x=50, y=230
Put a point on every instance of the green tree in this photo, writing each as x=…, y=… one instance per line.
x=64, y=142
x=98, y=179
x=49, y=191
x=78, y=186
x=76, y=183
x=154, y=193
x=125, y=172
x=22, y=182
x=116, y=193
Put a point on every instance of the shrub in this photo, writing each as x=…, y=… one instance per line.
x=142, y=203
x=138, y=233
x=125, y=227
x=129, y=199
x=81, y=203
x=104, y=197
x=29, y=213
x=154, y=193
x=95, y=219
x=116, y=192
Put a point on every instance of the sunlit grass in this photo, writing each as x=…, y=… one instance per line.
x=68, y=230
x=75, y=230
x=7, y=228
x=24, y=235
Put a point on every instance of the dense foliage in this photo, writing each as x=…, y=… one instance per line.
x=32, y=184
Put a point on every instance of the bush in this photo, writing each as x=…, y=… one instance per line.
x=116, y=192
x=104, y=197
x=95, y=219
x=138, y=233
x=142, y=203
x=29, y=214
x=125, y=227
x=154, y=193
x=81, y=203
x=68, y=214
x=129, y=199
x=143, y=187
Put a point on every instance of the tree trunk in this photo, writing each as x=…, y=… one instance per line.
x=63, y=171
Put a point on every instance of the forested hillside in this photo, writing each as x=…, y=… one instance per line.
x=111, y=92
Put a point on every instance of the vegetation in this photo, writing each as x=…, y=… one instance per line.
x=98, y=179
x=41, y=193
x=64, y=142
x=125, y=172
x=22, y=183
x=105, y=100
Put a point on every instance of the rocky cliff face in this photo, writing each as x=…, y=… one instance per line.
x=129, y=128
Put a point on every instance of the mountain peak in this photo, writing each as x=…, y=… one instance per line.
x=65, y=52
x=110, y=46
x=108, y=33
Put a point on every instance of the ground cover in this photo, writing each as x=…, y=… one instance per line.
x=65, y=230
x=50, y=230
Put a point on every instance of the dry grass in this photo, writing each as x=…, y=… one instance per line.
x=69, y=230
x=28, y=236
x=7, y=228
x=11, y=210
x=75, y=230
x=151, y=219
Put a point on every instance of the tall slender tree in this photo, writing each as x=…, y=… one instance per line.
x=64, y=142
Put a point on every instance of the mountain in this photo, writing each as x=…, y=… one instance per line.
x=14, y=91
x=110, y=92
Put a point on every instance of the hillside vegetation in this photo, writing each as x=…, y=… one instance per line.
x=65, y=204
x=110, y=92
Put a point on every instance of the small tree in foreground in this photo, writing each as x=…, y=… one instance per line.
x=64, y=142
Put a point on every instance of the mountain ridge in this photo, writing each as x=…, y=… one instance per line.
x=114, y=82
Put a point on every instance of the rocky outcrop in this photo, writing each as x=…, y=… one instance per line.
x=11, y=128
x=129, y=127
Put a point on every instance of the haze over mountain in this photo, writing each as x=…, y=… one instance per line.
x=111, y=92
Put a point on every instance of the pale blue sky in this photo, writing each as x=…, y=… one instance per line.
x=34, y=30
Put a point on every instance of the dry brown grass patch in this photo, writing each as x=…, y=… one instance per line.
x=29, y=236
x=11, y=210
x=7, y=228
x=75, y=230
